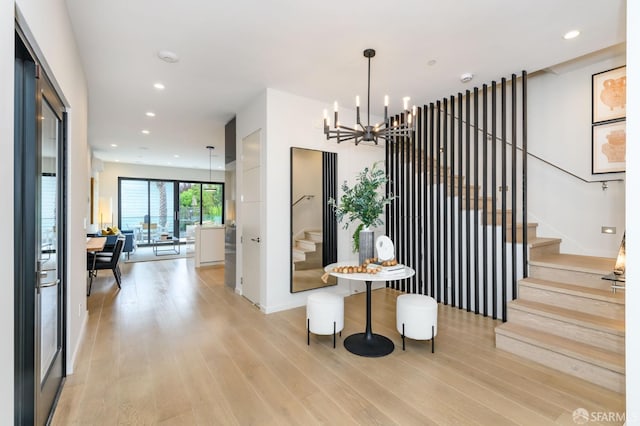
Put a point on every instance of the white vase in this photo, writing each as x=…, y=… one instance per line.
x=366, y=245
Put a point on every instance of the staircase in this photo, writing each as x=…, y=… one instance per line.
x=566, y=316
x=307, y=251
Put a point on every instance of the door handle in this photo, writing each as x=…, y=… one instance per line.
x=257, y=240
x=49, y=284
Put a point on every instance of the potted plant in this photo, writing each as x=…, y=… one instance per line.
x=364, y=202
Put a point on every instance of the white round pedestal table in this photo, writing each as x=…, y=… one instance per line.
x=369, y=344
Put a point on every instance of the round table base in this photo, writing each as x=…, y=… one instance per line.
x=375, y=346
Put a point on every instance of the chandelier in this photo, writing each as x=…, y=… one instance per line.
x=386, y=130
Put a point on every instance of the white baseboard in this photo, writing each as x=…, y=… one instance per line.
x=81, y=336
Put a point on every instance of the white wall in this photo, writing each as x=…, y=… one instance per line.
x=108, y=178
x=633, y=224
x=294, y=121
x=559, y=114
x=6, y=214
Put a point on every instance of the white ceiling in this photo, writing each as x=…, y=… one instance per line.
x=231, y=51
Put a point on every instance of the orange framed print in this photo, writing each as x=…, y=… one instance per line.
x=609, y=146
x=609, y=95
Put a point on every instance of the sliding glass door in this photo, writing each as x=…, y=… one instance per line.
x=153, y=207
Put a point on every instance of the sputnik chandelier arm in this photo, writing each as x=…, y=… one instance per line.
x=386, y=130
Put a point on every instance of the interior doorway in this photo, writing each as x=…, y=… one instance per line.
x=40, y=240
x=251, y=205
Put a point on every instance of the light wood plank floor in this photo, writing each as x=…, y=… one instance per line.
x=177, y=347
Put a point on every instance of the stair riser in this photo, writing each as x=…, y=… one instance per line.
x=498, y=218
x=571, y=301
x=592, y=373
x=313, y=236
x=599, y=338
x=585, y=279
x=536, y=252
x=305, y=245
x=531, y=233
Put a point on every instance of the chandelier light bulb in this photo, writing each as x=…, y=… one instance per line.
x=405, y=103
x=357, y=101
x=386, y=100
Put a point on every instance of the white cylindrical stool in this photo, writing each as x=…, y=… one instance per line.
x=325, y=314
x=417, y=317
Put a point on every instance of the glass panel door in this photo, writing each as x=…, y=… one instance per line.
x=161, y=208
x=49, y=290
x=212, y=196
x=190, y=202
x=134, y=208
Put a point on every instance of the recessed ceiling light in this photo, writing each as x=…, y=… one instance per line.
x=146, y=132
x=150, y=114
x=571, y=34
x=159, y=86
x=114, y=145
x=466, y=77
x=176, y=156
x=431, y=62
x=168, y=56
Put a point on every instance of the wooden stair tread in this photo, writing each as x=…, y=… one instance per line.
x=574, y=289
x=595, y=322
x=543, y=241
x=589, y=264
x=304, y=240
x=301, y=250
x=582, y=351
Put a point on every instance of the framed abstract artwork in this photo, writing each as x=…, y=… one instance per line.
x=609, y=145
x=609, y=95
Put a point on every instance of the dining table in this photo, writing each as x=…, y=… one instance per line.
x=369, y=344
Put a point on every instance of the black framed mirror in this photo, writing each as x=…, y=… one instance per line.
x=314, y=229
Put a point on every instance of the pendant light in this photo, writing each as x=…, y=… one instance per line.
x=210, y=148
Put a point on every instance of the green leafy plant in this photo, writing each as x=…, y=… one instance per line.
x=363, y=202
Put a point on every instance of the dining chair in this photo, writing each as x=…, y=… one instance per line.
x=104, y=262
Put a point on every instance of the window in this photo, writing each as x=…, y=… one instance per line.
x=151, y=207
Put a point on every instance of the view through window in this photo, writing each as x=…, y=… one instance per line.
x=152, y=207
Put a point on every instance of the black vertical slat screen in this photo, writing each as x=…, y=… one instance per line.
x=452, y=202
x=503, y=136
x=429, y=218
x=438, y=191
x=445, y=223
x=476, y=202
x=419, y=171
x=329, y=221
x=467, y=196
x=485, y=192
x=445, y=180
x=460, y=202
x=494, y=201
x=514, y=198
x=525, y=263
